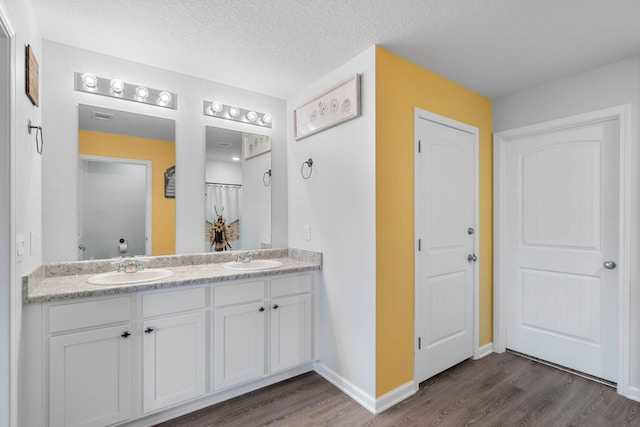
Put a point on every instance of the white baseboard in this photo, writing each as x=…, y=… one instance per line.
x=395, y=396
x=634, y=394
x=370, y=403
x=483, y=351
x=347, y=387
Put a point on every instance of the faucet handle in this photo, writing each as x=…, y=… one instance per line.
x=122, y=267
x=139, y=266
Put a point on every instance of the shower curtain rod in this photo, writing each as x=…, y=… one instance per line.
x=223, y=184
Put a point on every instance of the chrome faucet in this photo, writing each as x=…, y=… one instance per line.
x=245, y=257
x=130, y=266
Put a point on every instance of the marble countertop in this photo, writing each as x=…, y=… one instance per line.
x=42, y=287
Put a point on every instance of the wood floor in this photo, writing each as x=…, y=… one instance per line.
x=498, y=390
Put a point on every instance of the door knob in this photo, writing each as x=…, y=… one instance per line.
x=472, y=258
x=610, y=265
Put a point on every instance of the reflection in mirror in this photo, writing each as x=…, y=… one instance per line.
x=238, y=190
x=126, y=184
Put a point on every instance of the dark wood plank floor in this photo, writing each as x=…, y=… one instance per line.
x=498, y=390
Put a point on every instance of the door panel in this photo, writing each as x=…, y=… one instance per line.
x=562, y=221
x=445, y=210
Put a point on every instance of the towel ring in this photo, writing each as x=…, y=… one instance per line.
x=309, y=164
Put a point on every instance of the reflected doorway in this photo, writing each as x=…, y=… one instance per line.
x=115, y=202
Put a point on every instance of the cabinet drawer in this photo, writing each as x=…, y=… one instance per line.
x=88, y=314
x=238, y=293
x=173, y=302
x=290, y=285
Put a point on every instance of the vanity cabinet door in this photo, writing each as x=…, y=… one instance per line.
x=239, y=343
x=291, y=331
x=174, y=359
x=90, y=377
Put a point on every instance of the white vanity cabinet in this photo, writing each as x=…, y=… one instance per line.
x=90, y=362
x=261, y=327
x=174, y=347
x=140, y=358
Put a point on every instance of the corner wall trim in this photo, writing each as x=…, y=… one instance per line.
x=395, y=396
x=370, y=403
x=483, y=351
x=347, y=387
x=634, y=394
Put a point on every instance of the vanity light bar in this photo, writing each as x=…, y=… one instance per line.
x=231, y=112
x=116, y=88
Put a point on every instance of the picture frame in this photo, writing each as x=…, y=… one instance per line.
x=337, y=105
x=254, y=145
x=32, y=77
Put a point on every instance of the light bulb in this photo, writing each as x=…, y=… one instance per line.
x=252, y=116
x=216, y=107
x=234, y=112
x=89, y=80
x=267, y=118
x=164, y=98
x=142, y=93
x=117, y=86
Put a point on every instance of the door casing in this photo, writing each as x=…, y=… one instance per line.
x=9, y=296
x=419, y=113
x=500, y=141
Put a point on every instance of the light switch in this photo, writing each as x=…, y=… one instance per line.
x=20, y=244
x=307, y=232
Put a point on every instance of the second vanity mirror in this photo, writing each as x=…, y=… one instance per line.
x=126, y=184
x=237, y=190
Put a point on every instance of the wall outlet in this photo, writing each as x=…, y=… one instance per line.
x=307, y=232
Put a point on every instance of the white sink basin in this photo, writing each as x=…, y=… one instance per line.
x=258, y=264
x=114, y=278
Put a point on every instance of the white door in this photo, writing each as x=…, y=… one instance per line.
x=562, y=222
x=174, y=364
x=445, y=215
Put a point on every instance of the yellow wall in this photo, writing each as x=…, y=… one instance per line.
x=162, y=155
x=401, y=86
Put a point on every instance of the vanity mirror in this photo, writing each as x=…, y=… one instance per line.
x=237, y=190
x=126, y=184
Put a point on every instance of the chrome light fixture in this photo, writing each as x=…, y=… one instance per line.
x=231, y=112
x=116, y=88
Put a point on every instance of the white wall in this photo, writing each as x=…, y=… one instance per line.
x=25, y=208
x=608, y=86
x=60, y=120
x=224, y=172
x=255, y=213
x=338, y=204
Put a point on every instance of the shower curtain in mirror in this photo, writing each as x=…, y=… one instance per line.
x=222, y=226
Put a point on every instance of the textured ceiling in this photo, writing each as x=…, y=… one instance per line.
x=278, y=46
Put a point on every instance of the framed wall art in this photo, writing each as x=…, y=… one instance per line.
x=32, y=76
x=335, y=106
x=254, y=144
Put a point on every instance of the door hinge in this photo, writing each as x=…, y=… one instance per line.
x=419, y=146
x=419, y=343
x=419, y=245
